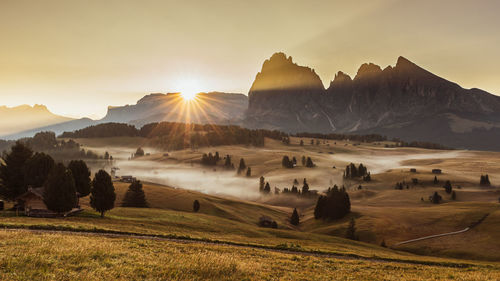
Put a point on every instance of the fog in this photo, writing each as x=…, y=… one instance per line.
x=383, y=162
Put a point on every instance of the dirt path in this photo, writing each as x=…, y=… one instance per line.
x=433, y=236
x=265, y=248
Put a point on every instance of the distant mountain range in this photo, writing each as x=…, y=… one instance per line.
x=24, y=117
x=213, y=107
x=404, y=101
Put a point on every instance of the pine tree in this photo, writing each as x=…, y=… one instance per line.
x=60, y=191
x=242, y=166
x=447, y=187
x=103, y=195
x=196, y=206
x=305, y=187
x=106, y=155
x=309, y=162
x=454, y=195
x=295, y=217
x=12, y=179
x=139, y=152
x=261, y=183
x=135, y=197
x=81, y=175
x=267, y=188
x=37, y=169
x=436, y=180
x=351, y=230
x=249, y=172
x=303, y=160
x=436, y=198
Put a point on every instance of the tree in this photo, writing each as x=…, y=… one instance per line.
x=12, y=180
x=447, y=187
x=81, y=175
x=106, y=155
x=294, y=219
x=436, y=180
x=309, y=162
x=301, y=143
x=303, y=160
x=261, y=183
x=135, y=197
x=305, y=187
x=196, y=206
x=60, y=191
x=436, y=198
x=382, y=244
x=102, y=197
x=286, y=162
x=242, y=166
x=454, y=195
x=227, y=163
x=267, y=188
x=139, y=152
x=249, y=172
x=485, y=180
x=351, y=230
x=335, y=205
x=37, y=169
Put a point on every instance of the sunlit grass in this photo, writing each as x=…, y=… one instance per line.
x=28, y=256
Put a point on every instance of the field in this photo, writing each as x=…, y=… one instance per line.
x=223, y=241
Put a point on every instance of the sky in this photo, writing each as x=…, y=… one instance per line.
x=80, y=56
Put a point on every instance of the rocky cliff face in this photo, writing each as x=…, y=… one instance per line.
x=285, y=96
x=401, y=101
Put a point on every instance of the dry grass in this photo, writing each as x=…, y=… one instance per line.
x=27, y=256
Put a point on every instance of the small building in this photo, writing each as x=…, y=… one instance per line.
x=129, y=179
x=413, y=170
x=33, y=205
x=436, y=171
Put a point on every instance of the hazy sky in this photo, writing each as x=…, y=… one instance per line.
x=78, y=57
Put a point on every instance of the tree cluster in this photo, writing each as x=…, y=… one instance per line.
x=358, y=138
x=210, y=159
x=351, y=172
x=485, y=180
x=286, y=162
x=335, y=205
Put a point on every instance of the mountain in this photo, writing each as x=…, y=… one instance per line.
x=24, y=117
x=213, y=107
x=403, y=101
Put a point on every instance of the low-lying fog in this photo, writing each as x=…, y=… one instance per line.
x=221, y=182
x=383, y=162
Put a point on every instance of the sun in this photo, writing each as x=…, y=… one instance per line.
x=189, y=87
x=188, y=95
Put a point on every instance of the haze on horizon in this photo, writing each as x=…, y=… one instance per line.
x=78, y=57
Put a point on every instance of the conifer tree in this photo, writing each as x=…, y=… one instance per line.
x=249, y=172
x=351, y=230
x=447, y=187
x=267, y=188
x=102, y=197
x=135, y=197
x=81, y=175
x=37, y=169
x=242, y=166
x=196, y=206
x=295, y=217
x=60, y=191
x=12, y=179
x=261, y=183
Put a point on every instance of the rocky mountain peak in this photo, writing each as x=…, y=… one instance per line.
x=340, y=79
x=368, y=70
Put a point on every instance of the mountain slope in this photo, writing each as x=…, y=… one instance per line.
x=24, y=117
